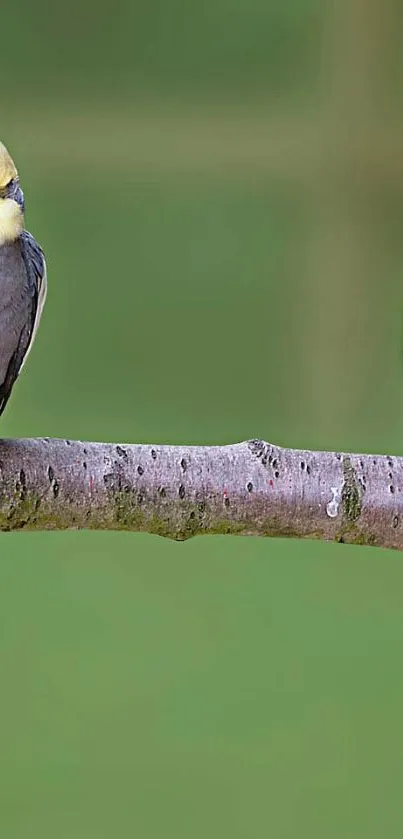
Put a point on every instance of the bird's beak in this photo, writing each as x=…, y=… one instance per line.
x=15, y=192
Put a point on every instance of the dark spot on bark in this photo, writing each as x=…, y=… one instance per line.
x=121, y=452
x=341, y=540
x=84, y=464
x=226, y=501
x=140, y=470
x=338, y=456
x=85, y=451
x=162, y=492
x=201, y=506
x=308, y=469
x=249, y=486
x=390, y=462
x=374, y=461
x=261, y=450
x=390, y=475
x=55, y=489
x=395, y=521
x=51, y=474
x=277, y=474
x=192, y=514
x=302, y=464
x=274, y=464
x=153, y=454
x=184, y=464
x=181, y=491
x=68, y=443
x=140, y=497
x=391, y=489
x=108, y=480
x=256, y=447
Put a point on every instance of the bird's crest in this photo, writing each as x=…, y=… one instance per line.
x=7, y=167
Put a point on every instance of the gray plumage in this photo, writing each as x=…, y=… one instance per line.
x=22, y=296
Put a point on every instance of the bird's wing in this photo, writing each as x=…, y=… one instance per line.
x=23, y=321
x=35, y=265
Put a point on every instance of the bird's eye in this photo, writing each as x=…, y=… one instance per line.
x=5, y=189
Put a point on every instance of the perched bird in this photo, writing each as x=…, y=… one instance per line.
x=22, y=279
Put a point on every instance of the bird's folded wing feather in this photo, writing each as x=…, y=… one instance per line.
x=35, y=265
x=21, y=304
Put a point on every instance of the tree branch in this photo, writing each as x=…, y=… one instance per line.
x=251, y=488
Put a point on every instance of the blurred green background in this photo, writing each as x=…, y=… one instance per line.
x=218, y=188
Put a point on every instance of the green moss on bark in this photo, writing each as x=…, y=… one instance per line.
x=351, y=494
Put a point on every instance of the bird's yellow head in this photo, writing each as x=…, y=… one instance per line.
x=8, y=170
x=11, y=205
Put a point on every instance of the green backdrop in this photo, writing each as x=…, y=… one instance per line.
x=220, y=687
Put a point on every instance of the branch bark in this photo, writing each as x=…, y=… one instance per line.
x=251, y=488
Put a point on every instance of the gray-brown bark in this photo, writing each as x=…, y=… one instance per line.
x=251, y=488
